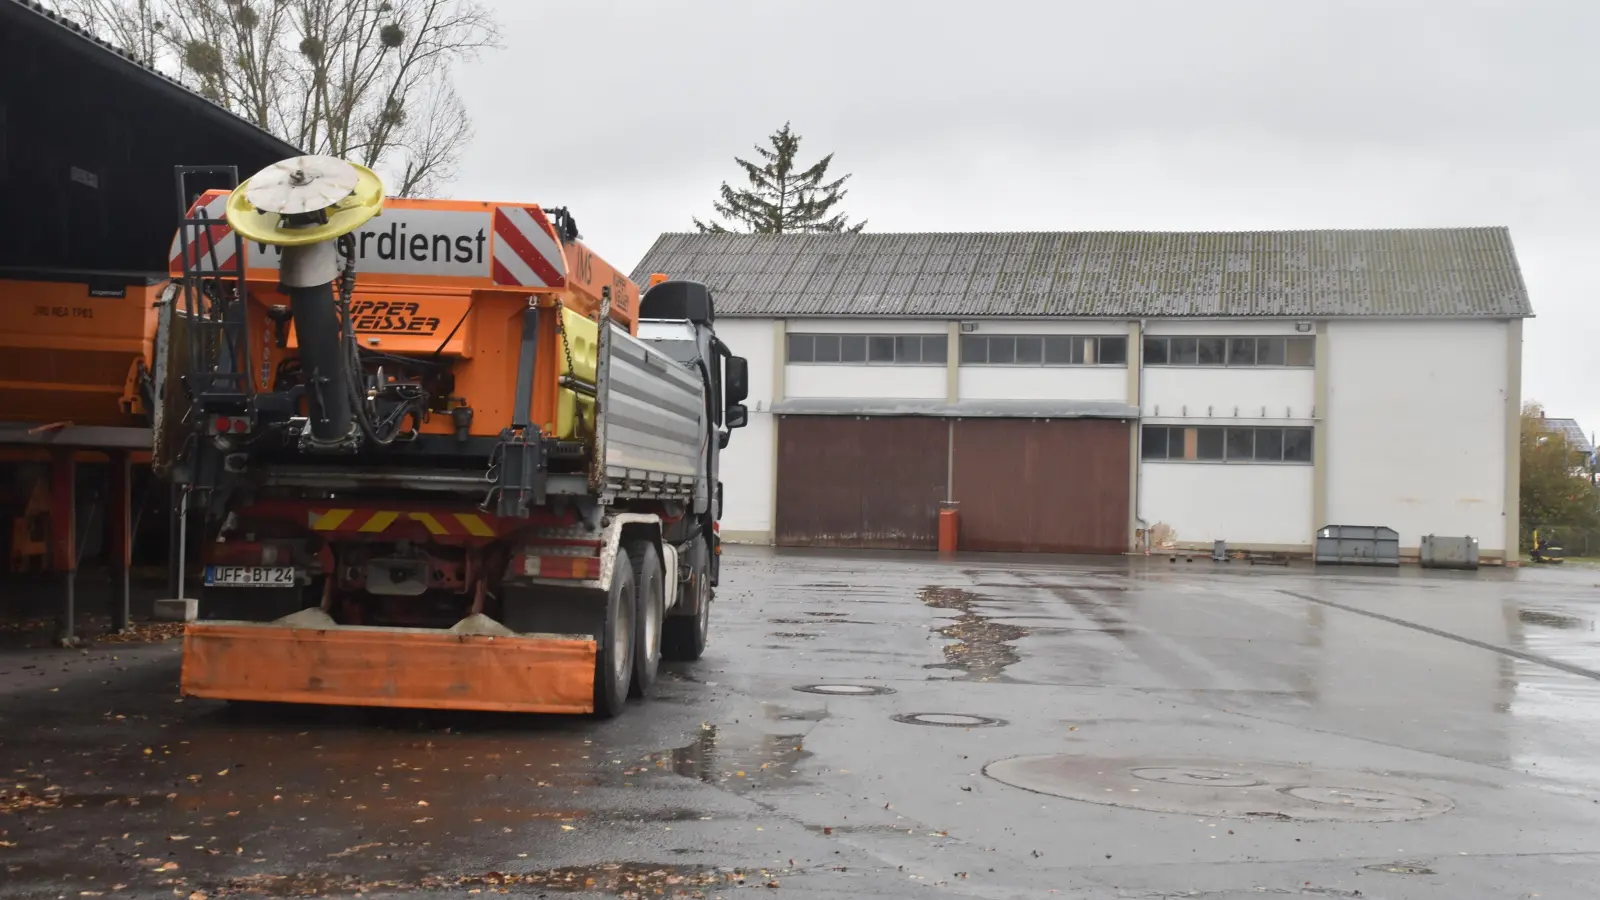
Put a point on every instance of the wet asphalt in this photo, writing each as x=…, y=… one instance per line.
x=1094, y=728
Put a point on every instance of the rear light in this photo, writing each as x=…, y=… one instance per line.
x=580, y=568
x=230, y=425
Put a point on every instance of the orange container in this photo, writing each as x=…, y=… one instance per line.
x=948, y=530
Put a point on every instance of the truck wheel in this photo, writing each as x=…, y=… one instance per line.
x=683, y=638
x=652, y=595
x=613, y=659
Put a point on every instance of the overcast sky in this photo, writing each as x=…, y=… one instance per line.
x=1007, y=115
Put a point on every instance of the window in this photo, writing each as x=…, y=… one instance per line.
x=1251, y=444
x=1155, y=351
x=869, y=349
x=1155, y=442
x=1046, y=350
x=1294, y=352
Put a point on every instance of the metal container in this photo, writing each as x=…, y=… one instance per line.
x=1358, y=545
x=1449, y=552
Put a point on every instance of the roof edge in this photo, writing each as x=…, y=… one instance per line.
x=112, y=56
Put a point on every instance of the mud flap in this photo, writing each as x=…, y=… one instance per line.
x=395, y=667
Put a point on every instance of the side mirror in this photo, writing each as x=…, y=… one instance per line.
x=737, y=372
x=738, y=416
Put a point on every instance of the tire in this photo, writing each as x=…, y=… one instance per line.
x=613, y=659
x=683, y=638
x=651, y=592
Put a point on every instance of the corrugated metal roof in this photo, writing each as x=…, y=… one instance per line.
x=40, y=12
x=1443, y=272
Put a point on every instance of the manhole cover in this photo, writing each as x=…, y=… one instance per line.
x=949, y=720
x=1195, y=777
x=844, y=690
x=1222, y=789
x=1357, y=798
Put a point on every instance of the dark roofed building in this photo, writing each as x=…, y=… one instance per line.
x=1101, y=391
x=88, y=141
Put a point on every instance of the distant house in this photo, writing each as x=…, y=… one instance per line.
x=1577, y=441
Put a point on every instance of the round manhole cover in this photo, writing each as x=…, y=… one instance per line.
x=1222, y=789
x=1195, y=777
x=1358, y=798
x=949, y=720
x=844, y=690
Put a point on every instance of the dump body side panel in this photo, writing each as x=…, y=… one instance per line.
x=652, y=420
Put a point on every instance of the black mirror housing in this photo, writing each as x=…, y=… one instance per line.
x=738, y=416
x=737, y=370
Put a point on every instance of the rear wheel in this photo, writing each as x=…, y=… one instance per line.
x=613, y=659
x=652, y=599
x=683, y=638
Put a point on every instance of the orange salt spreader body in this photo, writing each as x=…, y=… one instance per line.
x=452, y=458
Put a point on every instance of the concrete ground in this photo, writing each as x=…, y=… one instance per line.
x=1158, y=730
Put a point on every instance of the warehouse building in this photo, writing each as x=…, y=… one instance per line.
x=1103, y=392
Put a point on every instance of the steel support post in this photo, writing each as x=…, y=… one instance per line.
x=119, y=535
x=63, y=543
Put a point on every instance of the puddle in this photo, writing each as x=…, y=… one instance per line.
x=623, y=879
x=738, y=760
x=786, y=714
x=1553, y=620
x=981, y=649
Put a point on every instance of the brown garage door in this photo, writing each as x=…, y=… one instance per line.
x=1057, y=486
x=845, y=481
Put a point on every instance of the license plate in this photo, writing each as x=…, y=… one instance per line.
x=250, y=576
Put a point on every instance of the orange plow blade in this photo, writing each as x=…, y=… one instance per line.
x=402, y=667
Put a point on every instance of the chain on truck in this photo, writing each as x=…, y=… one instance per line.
x=443, y=454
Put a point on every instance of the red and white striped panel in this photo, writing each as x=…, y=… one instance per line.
x=526, y=252
x=215, y=204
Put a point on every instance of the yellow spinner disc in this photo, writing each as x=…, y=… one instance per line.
x=300, y=184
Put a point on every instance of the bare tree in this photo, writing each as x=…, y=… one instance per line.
x=364, y=80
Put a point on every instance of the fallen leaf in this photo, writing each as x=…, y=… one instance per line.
x=568, y=828
x=224, y=772
x=177, y=837
x=167, y=867
x=422, y=803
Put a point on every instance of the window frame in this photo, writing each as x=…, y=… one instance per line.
x=868, y=339
x=1169, y=347
x=1077, y=352
x=1220, y=439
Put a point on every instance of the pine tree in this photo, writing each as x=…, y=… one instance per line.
x=782, y=199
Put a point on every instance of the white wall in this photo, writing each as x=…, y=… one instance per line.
x=1044, y=382
x=867, y=326
x=888, y=382
x=1234, y=502
x=1061, y=326
x=1196, y=392
x=1221, y=327
x=747, y=462
x=1416, y=425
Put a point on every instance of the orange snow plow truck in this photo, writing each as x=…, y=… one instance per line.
x=447, y=456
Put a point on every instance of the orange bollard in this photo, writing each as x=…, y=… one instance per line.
x=948, y=523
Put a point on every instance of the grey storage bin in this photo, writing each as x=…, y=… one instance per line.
x=1358, y=545
x=1449, y=552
